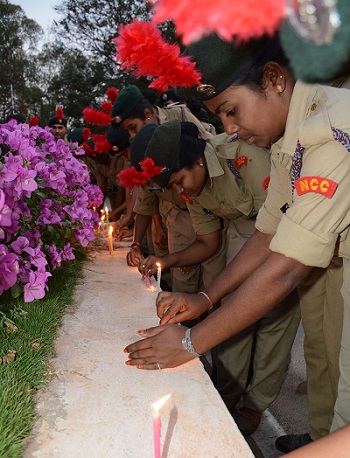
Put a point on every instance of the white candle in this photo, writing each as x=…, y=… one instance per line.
x=107, y=218
x=159, y=276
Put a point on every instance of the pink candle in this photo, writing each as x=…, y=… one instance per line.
x=148, y=281
x=157, y=424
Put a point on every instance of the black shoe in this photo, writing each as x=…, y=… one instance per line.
x=291, y=442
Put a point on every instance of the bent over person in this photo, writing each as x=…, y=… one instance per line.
x=304, y=222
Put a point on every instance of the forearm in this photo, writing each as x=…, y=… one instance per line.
x=141, y=225
x=253, y=253
x=259, y=294
x=201, y=249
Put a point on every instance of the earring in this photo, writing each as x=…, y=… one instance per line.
x=279, y=88
x=148, y=118
x=201, y=164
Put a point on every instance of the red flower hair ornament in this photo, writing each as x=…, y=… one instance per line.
x=143, y=52
x=95, y=117
x=131, y=177
x=34, y=121
x=59, y=114
x=229, y=19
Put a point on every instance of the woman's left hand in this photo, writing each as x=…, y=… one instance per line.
x=161, y=347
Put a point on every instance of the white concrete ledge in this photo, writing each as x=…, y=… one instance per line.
x=96, y=406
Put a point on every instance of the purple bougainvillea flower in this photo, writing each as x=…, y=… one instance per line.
x=36, y=286
x=8, y=267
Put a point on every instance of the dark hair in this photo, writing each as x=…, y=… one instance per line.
x=139, y=110
x=191, y=147
x=251, y=73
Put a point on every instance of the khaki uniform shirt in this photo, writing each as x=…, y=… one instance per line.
x=310, y=173
x=110, y=171
x=183, y=114
x=147, y=201
x=239, y=175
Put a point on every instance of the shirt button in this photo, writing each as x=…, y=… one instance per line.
x=313, y=107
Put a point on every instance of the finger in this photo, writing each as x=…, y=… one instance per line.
x=163, y=296
x=172, y=316
x=151, y=332
x=140, y=345
x=148, y=367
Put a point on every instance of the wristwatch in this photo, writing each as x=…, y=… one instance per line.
x=187, y=343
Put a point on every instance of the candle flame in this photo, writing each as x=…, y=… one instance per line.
x=159, y=404
x=99, y=223
x=152, y=288
x=110, y=231
x=106, y=209
x=102, y=218
x=158, y=264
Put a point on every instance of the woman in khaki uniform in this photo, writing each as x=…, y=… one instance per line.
x=132, y=111
x=305, y=216
x=226, y=179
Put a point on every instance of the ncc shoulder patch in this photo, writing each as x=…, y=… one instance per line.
x=265, y=183
x=317, y=184
x=241, y=160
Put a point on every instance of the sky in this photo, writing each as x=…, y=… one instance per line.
x=40, y=10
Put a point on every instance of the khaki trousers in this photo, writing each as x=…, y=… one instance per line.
x=253, y=362
x=321, y=306
x=342, y=405
x=180, y=235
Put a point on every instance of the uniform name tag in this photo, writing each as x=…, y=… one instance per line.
x=317, y=184
x=241, y=160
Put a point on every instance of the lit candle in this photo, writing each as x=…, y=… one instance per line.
x=157, y=424
x=110, y=239
x=99, y=228
x=159, y=276
x=107, y=218
x=101, y=222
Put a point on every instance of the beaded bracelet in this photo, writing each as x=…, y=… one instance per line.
x=206, y=296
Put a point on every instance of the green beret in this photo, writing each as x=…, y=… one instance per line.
x=17, y=116
x=126, y=101
x=54, y=121
x=164, y=149
x=218, y=61
x=118, y=137
x=312, y=63
x=76, y=135
x=139, y=144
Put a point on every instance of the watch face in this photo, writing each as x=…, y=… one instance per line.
x=314, y=20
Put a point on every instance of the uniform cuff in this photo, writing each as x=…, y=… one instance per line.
x=309, y=248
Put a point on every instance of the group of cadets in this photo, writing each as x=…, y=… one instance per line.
x=197, y=216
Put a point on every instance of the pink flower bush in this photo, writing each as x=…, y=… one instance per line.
x=46, y=207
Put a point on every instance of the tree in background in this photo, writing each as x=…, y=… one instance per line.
x=75, y=70
x=18, y=37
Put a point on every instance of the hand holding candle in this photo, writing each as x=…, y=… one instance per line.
x=157, y=424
